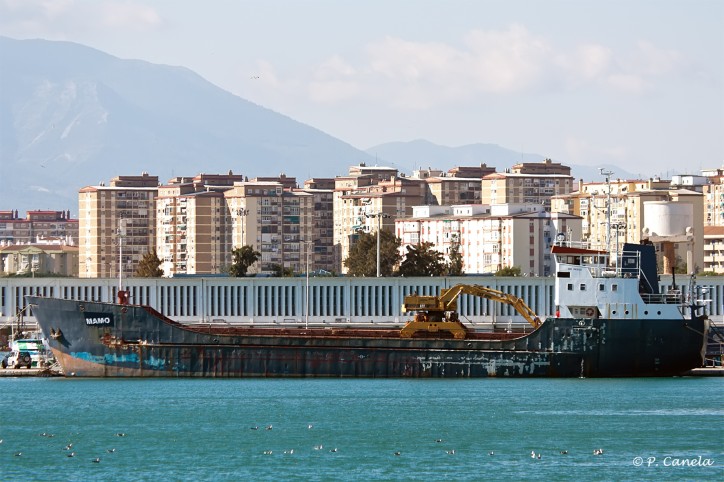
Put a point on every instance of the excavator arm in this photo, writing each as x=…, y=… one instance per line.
x=439, y=313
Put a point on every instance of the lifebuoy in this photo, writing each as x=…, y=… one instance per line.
x=589, y=311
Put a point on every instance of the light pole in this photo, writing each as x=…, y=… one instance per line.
x=121, y=234
x=608, y=209
x=242, y=213
x=306, y=304
x=379, y=217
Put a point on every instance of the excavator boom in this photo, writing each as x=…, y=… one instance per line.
x=437, y=313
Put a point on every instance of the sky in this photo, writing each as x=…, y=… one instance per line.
x=633, y=83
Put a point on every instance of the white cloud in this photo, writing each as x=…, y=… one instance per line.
x=591, y=61
x=335, y=80
x=128, y=15
x=647, y=59
x=414, y=75
x=53, y=19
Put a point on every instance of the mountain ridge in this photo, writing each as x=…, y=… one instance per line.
x=73, y=116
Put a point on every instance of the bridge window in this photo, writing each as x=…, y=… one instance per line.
x=570, y=286
x=583, y=287
x=601, y=287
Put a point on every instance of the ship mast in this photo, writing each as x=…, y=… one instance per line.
x=608, y=173
x=121, y=234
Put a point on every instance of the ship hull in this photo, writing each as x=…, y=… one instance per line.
x=108, y=340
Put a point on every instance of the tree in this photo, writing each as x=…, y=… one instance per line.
x=242, y=259
x=149, y=266
x=455, y=265
x=508, y=271
x=423, y=260
x=362, y=259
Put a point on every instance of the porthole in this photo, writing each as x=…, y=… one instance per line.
x=613, y=312
x=625, y=312
x=646, y=312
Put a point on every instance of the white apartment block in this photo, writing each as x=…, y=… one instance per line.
x=491, y=237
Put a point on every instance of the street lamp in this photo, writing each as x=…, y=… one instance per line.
x=379, y=217
x=242, y=213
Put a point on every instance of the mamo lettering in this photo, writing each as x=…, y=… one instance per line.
x=104, y=319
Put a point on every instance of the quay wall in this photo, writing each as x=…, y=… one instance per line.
x=324, y=300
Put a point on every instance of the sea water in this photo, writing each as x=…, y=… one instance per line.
x=361, y=429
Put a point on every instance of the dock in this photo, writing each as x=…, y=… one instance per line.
x=707, y=372
x=29, y=372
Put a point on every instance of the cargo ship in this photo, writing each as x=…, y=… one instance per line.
x=612, y=320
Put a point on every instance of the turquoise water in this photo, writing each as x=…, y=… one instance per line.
x=200, y=429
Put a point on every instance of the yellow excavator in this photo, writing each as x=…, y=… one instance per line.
x=439, y=313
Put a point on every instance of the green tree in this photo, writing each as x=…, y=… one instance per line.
x=242, y=259
x=149, y=266
x=455, y=263
x=423, y=260
x=362, y=259
x=508, y=271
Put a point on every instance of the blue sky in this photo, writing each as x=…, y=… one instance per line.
x=638, y=84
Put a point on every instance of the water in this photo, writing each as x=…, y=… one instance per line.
x=200, y=429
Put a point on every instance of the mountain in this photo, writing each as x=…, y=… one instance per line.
x=72, y=116
x=422, y=154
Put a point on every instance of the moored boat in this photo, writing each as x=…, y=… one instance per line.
x=611, y=321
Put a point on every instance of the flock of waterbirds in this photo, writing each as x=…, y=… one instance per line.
x=69, y=447
x=71, y=453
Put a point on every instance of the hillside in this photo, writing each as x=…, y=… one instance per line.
x=71, y=116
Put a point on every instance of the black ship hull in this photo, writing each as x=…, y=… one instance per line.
x=92, y=339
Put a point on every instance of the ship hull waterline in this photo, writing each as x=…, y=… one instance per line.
x=136, y=341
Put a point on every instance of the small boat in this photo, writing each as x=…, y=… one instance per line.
x=612, y=320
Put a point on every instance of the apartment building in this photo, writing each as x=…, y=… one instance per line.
x=714, y=249
x=37, y=226
x=366, y=204
x=490, y=237
x=636, y=213
x=275, y=222
x=713, y=190
x=193, y=224
x=43, y=258
x=191, y=232
x=322, y=191
x=116, y=225
x=527, y=183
